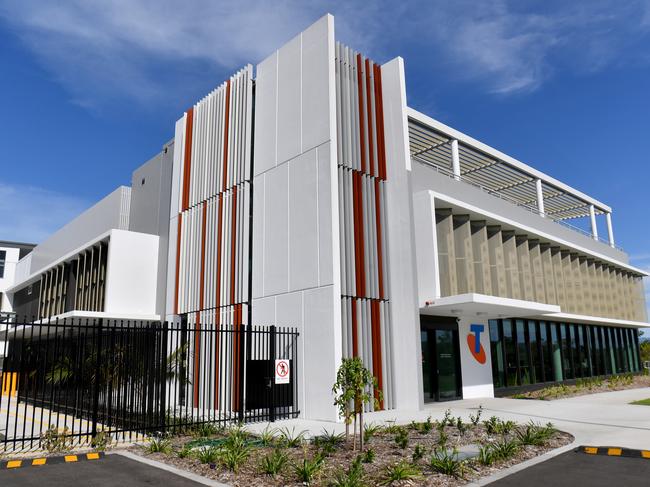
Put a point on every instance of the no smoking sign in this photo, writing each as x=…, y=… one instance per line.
x=282, y=371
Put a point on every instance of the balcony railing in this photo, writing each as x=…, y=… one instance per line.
x=530, y=208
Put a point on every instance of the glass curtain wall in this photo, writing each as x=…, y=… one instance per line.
x=526, y=352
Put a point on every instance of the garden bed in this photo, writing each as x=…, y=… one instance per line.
x=592, y=385
x=420, y=453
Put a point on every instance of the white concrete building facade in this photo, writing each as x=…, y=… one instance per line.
x=304, y=192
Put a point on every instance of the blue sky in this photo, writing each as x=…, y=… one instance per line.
x=90, y=90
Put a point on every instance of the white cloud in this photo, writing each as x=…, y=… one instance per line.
x=143, y=49
x=31, y=214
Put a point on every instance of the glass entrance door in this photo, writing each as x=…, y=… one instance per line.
x=440, y=362
x=446, y=365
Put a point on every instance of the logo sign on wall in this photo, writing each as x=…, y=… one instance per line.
x=282, y=371
x=474, y=342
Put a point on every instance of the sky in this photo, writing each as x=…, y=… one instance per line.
x=91, y=90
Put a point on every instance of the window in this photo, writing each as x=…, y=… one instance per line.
x=566, y=352
x=511, y=354
x=522, y=351
x=535, y=359
x=556, y=351
x=496, y=347
x=3, y=258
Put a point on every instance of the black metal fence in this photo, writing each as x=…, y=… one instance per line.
x=124, y=380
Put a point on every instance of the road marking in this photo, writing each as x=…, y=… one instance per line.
x=92, y=456
x=39, y=461
x=591, y=450
x=70, y=458
x=616, y=452
x=14, y=463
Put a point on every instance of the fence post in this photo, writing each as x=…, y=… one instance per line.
x=163, y=382
x=98, y=355
x=240, y=355
x=272, y=334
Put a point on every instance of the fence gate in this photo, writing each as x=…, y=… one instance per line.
x=75, y=381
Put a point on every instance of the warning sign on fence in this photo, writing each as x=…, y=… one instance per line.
x=282, y=371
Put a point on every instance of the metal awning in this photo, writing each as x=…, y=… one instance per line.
x=432, y=146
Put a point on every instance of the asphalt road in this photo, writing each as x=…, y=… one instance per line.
x=578, y=469
x=109, y=471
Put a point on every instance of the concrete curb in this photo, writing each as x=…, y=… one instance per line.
x=163, y=466
x=522, y=466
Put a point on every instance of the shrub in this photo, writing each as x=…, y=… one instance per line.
x=267, y=436
x=442, y=438
x=504, y=448
x=368, y=456
x=159, y=444
x=208, y=454
x=235, y=451
x=402, y=438
x=101, y=441
x=534, y=434
x=427, y=426
x=497, y=426
x=485, y=455
x=418, y=453
x=328, y=442
x=475, y=419
x=185, y=452
x=446, y=462
x=462, y=427
x=353, y=477
x=448, y=419
x=273, y=463
x=309, y=468
x=205, y=430
x=370, y=430
x=290, y=439
x=400, y=471
x=55, y=440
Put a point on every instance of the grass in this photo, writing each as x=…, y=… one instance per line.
x=642, y=402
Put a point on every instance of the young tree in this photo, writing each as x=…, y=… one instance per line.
x=354, y=388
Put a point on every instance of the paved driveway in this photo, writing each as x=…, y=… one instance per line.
x=577, y=469
x=110, y=471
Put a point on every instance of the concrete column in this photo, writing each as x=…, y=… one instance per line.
x=610, y=230
x=592, y=217
x=455, y=159
x=540, y=196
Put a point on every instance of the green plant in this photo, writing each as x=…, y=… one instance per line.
x=232, y=459
x=418, y=453
x=504, y=448
x=402, y=438
x=205, y=430
x=442, y=438
x=328, y=442
x=353, y=477
x=185, y=452
x=485, y=455
x=290, y=438
x=352, y=391
x=208, y=454
x=400, y=471
x=369, y=431
x=462, y=427
x=267, y=436
x=308, y=469
x=448, y=419
x=427, y=426
x=446, y=462
x=55, y=440
x=274, y=462
x=368, y=456
x=101, y=441
x=159, y=444
x=534, y=434
x=475, y=419
x=391, y=427
x=497, y=426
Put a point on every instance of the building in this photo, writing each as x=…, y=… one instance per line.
x=305, y=192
